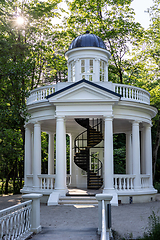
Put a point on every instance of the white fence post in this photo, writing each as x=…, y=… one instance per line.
x=106, y=198
x=35, y=213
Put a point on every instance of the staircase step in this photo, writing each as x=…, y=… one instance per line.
x=78, y=200
x=94, y=187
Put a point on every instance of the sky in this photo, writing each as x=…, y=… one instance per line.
x=140, y=6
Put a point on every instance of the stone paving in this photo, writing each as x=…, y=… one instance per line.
x=81, y=221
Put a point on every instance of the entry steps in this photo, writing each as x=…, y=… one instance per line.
x=78, y=199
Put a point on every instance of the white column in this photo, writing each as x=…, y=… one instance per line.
x=50, y=153
x=136, y=154
x=108, y=160
x=77, y=70
x=108, y=153
x=143, y=161
x=32, y=146
x=60, y=182
x=28, y=155
x=69, y=71
x=106, y=77
x=129, y=163
x=37, y=155
x=96, y=70
x=71, y=156
x=148, y=152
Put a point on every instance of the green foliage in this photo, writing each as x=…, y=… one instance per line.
x=44, y=153
x=157, y=186
x=114, y=22
x=26, y=54
x=68, y=153
x=154, y=228
x=119, y=153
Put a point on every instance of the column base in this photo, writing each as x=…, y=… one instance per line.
x=36, y=230
x=35, y=188
x=113, y=193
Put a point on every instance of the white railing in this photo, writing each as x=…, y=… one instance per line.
x=39, y=94
x=15, y=222
x=145, y=180
x=131, y=93
x=47, y=181
x=104, y=233
x=124, y=182
x=104, y=215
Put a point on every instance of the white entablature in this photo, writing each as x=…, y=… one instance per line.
x=91, y=110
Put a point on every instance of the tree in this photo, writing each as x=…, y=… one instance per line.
x=113, y=21
x=144, y=71
x=26, y=53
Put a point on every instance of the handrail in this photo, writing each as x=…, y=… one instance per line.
x=82, y=147
x=96, y=125
x=103, y=233
x=14, y=208
x=98, y=164
x=15, y=221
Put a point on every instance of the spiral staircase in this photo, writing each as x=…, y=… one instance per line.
x=86, y=140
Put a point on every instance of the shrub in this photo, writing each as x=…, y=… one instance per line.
x=154, y=228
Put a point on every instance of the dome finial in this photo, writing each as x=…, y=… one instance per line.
x=87, y=31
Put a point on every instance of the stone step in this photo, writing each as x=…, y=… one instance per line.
x=73, y=200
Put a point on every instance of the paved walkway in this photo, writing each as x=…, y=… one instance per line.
x=81, y=221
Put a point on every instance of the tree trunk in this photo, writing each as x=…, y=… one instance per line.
x=21, y=163
x=6, y=185
x=120, y=75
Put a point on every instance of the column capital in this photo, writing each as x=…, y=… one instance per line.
x=37, y=123
x=147, y=125
x=135, y=122
x=27, y=126
x=108, y=117
x=50, y=133
x=128, y=132
x=58, y=117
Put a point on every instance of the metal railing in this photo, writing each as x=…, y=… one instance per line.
x=15, y=222
x=82, y=142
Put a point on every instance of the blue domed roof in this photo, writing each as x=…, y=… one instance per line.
x=87, y=40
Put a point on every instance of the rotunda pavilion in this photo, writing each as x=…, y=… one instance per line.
x=90, y=109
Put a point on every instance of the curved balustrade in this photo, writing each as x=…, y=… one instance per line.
x=124, y=182
x=131, y=93
x=39, y=94
x=46, y=181
x=145, y=181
